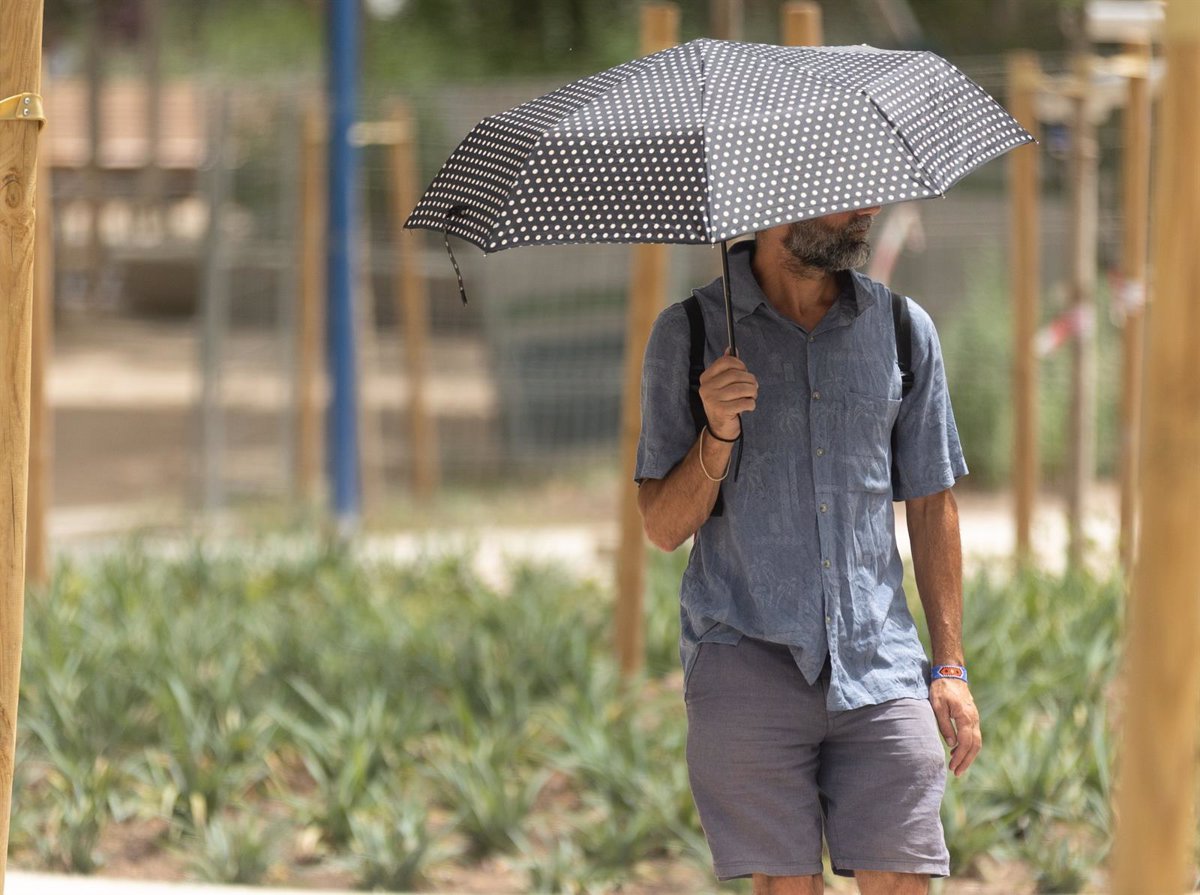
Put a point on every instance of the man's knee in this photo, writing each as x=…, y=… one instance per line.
x=788, y=885
x=878, y=882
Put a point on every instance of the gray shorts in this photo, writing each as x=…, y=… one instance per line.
x=770, y=766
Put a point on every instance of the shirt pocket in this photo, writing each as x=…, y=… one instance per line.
x=867, y=448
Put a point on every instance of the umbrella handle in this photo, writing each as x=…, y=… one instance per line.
x=462, y=290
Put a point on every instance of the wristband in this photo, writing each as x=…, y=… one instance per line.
x=719, y=438
x=949, y=672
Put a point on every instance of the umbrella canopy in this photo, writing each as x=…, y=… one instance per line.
x=712, y=139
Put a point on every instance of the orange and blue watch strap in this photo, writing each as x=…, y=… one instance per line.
x=949, y=672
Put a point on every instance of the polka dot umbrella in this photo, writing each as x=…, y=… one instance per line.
x=712, y=139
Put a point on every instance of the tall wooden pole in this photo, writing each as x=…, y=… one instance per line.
x=412, y=305
x=310, y=336
x=1084, y=222
x=726, y=18
x=1156, y=779
x=1135, y=201
x=1024, y=73
x=41, y=429
x=370, y=416
x=20, y=72
x=151, y=13
x=95, y=71
x=289, y=149
x=800, y=24
x=647, y=291
x=214, y=313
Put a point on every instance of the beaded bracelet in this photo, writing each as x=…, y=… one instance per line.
x=949, y=672
x=704, y=469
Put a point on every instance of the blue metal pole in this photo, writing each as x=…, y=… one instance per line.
x=343, y=164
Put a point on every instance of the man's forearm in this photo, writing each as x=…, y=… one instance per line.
x=937, y=562
x=673, y=508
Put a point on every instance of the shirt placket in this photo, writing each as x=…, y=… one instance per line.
x=821, y=428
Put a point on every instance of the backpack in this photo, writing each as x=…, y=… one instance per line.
x=903, y=327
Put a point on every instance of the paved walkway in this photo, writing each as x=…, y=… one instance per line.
x=18, y=882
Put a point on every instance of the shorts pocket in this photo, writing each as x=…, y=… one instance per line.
x=690, y=671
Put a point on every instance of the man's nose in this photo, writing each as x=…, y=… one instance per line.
x=869, y=212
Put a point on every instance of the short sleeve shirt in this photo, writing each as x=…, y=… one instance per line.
x=804, y=553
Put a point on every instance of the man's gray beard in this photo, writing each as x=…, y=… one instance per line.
x=813, y=246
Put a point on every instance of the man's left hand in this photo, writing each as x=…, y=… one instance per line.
x=958, y=720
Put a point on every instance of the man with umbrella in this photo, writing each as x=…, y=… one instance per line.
x=810, y=701
x=809, y=697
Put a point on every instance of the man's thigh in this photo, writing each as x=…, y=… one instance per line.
x=754, y=733
x=882, y=777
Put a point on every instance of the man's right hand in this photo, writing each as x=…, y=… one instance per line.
x=727, y=389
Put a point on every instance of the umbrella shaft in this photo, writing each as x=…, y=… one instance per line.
x=728, y=296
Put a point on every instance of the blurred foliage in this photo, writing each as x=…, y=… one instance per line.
x=977, y=345
x=290, y=702
x=407, y=42
x=1044, y=653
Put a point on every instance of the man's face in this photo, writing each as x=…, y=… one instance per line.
x=834, y=242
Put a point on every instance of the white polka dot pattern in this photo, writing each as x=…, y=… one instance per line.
x=712, y=139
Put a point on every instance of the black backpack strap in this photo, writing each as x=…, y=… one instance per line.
x=903, y=342
x=695, y=367
x=903, y=327
x=695, y=360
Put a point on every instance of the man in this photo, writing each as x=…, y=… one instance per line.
x=809, y=697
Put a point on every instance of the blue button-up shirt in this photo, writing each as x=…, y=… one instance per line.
x=805, y=553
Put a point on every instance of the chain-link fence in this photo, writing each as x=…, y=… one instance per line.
x=175, y=379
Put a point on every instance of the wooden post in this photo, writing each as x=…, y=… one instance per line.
x=310, y=334
x=412, y=305
x=151, y=184
x=1024, y=72
x=20, y=72
x=370, y=421
x=41, y=429
x=726, y=18
x=647, y=289
x=289, y=148
x=1156, y=779
x=1135, y=213
x=214, y=312
x=1084, y=221
x=94, y=180
x=801, y=24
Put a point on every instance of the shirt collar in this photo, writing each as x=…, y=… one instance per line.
x=747, y=295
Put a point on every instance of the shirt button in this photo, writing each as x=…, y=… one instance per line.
x=816, y=396
x=824, y=508
x=820, y=452
x=828, y=619
x=825, y=563
x=812, y=338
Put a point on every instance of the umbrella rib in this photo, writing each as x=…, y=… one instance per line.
x=922, y=174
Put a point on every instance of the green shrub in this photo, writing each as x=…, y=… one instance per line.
x=1043, y=653
x=377, y=694
x=232, y=848
x=391, y=842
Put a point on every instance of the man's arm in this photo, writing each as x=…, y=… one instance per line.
x=937, y=562
x=674, y=507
